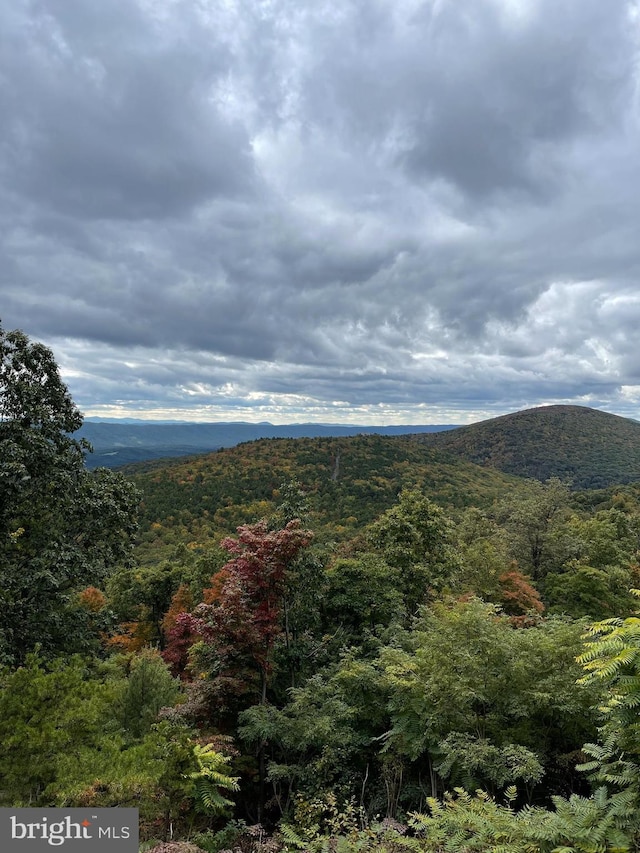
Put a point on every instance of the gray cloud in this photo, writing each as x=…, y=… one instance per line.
x=362, y=210
x=114, y=119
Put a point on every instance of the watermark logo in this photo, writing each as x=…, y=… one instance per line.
x=70, y=830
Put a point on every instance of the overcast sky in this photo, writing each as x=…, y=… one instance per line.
x=366, y=211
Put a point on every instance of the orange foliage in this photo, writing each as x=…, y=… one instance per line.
x=517, y=596
x=211, y=595
x=92, y=599
x=134, y=636
x=182, y=602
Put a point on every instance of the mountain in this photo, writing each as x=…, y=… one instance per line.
x=348, y=481
x=587, y=447
x=119, y=443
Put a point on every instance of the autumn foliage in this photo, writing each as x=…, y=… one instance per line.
x=133, y=637
x=178, y=630
x=92, y=599
x=517, y=596
x=239, y=619
x=181, y=602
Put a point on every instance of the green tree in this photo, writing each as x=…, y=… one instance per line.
x=602, y=566
x=532, y=520
x=464, y=682
x=608, y=538
x=148, y=688
x=168, y=775
x=324, y=739
x=143, y=594
x=581, y=590
x=362, y=594
x=48, y=711
x=416, y=538
x=61, y=527
x=73, y=733
x=482, y=547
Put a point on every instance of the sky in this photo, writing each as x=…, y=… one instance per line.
x=340, y=211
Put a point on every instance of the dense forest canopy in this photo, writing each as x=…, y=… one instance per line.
x=314, y=644
x=586, y=447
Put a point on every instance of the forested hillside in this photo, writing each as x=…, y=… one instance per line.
x=353, y=644
x=586, y=447
x=347, y=482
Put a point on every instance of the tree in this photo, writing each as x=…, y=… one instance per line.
x=603, y=565
x=464, y=682
x=532, y=519
x=582, y=590
x=416, y=538
x=62, y=528
x=518, y=598
x=148, y=688
x=481, y=545
x=608, y=538
x=326, y=738
x=46, y=711
x=242, y=616
x=144, y=595
x=362, y=594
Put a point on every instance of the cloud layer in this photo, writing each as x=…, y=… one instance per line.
x=356, y=210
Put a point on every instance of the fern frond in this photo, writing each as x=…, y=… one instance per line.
x=291, y=837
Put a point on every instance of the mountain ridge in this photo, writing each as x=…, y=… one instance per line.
x=587, y=447
x=116, y=444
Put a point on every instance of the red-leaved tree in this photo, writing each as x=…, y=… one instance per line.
x=240, y=618
x=178, y=631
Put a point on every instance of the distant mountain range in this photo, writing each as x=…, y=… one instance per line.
x=587, y=447
x=118, y=443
